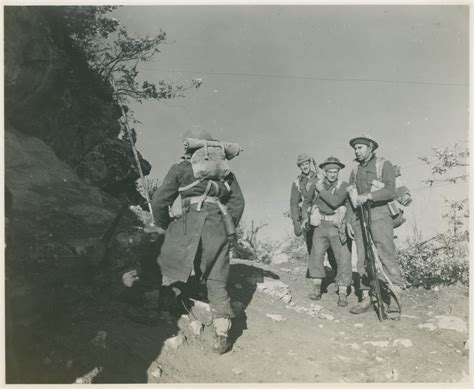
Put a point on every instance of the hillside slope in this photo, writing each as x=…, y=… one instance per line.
x=299, y=342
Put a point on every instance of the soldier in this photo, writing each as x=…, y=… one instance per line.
x=379, y=194
x=197, y=241
x=326, y=202
x=299, y=191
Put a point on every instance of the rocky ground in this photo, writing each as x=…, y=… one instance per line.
x=279, y=336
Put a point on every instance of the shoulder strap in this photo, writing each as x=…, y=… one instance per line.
x=337, y=186
x=379, y=161
x=297, y=184
x=192, y=184
x=354, y=173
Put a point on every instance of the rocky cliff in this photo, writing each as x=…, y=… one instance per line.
x=51, y=94
x=69, y=180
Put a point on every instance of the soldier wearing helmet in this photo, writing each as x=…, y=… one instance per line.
x=197, y=242
x=379, y=191
x=327, y=199
x=299, y=191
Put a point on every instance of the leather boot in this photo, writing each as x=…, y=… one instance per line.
x=363, y=306
x=316, y=293
x=342, y=301
x=221, y=338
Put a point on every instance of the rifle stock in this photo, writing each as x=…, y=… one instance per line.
x=371, y=257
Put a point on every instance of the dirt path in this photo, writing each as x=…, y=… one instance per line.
x=299, y=343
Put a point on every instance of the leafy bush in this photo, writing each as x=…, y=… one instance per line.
x=295, y=248
x=443, y=260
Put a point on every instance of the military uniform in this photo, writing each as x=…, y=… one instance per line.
x=330, y=233
x=198, y=238
x=381, y=220
x=299, y=192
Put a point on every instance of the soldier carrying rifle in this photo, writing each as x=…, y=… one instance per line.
x=299, y=192
x=376, y=193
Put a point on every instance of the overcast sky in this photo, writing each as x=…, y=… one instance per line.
x=282, y=80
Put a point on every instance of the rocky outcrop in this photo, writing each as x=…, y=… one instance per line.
x=51, y=93
x=69, y=180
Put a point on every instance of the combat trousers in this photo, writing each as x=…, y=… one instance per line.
x=215, y=277
x=326, y=236
x=308, y=237
x=382, y=233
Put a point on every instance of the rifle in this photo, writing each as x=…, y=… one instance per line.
x=134, y=150
x=319, y=173
x=375, y=268
x=370, y=260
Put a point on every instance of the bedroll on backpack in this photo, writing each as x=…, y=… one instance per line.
x=210, y=160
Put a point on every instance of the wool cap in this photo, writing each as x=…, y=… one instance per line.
x=302, y=158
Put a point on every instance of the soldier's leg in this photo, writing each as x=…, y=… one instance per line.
x=382, y=232
x=308, y=236
x=219, y=300
x=364, y=304
x=316, y=260
x=343, y=261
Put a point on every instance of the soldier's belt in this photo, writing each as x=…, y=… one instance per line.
x=329, y=218
x=202, y=199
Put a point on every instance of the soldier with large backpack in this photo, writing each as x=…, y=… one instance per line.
x=374, y=185
x=198, y=242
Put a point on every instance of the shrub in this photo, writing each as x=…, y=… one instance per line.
x=295, y=248
x=443, y=260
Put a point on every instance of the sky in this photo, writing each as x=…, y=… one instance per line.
x=282, y=80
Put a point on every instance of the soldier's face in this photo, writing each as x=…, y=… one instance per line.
x=305, y=167
x=362, y=152
x=332, y=175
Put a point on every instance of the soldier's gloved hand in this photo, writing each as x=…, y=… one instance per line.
x=363, y=198
x=129, y=278
x=305, y=224
x=297, y=228
x=350, y=231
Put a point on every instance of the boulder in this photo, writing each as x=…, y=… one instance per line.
x=275, y=288
x=279, y=258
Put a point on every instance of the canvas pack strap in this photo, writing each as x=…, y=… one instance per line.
x=379, y=162
x=191, y=185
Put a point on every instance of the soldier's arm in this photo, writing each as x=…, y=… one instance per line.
x=308, y=200
x=236, y=202
x=349, y=209
x=336, y=199
x=295, y=198
x=387, y=193
x=165, y=196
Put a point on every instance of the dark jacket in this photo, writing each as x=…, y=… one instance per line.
x=328, y=199
x=186, y=237
x=365, y=173
x=299, y=191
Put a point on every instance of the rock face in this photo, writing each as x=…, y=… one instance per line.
x=50, y=93
x=69, y=180
x=50, y=203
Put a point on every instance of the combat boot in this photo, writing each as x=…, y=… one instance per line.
x=221, y=335
x=342, y=300
x=364, y=305
x=316, y=292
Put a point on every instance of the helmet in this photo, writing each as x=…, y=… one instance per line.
x=365, y=140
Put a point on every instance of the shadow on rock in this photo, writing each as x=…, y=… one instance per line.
x=242, y=284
